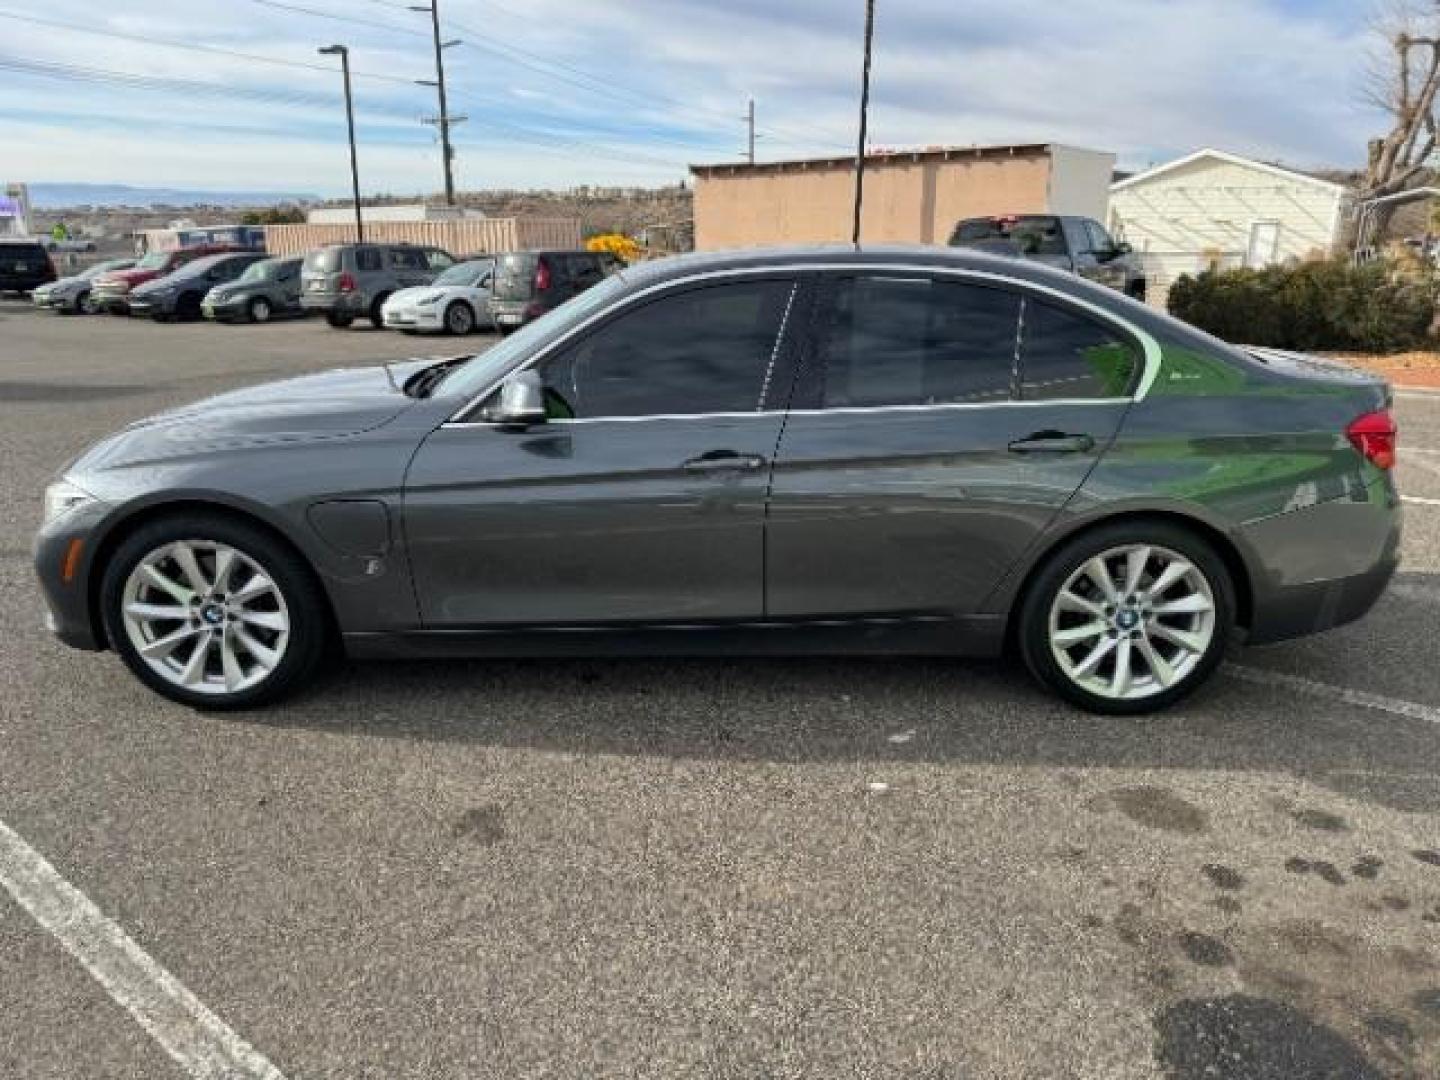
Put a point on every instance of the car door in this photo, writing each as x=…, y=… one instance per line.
x=640, y=500
x=287, y=284
x=939, y=425
x=479, y=293
x=409, y=268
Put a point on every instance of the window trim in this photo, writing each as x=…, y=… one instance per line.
x=1149, y=348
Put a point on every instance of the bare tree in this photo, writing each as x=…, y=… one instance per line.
x=1403, y=81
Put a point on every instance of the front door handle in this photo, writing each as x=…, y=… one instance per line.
x=724, y=460
x=1053, y=442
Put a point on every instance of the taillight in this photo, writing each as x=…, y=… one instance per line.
x=542, y=276
x=1374, y=436
x=347, y=282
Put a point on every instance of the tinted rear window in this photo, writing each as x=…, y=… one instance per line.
x=324, y=261
x=1066, y=355
x=514, y=276
x=1034, y=234
x=31, y=253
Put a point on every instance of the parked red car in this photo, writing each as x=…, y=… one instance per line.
x=111, y=292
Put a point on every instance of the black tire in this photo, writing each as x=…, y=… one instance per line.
x=1136, y=290
x=337, y=320
x=260, y=310
x=83, y=304
x=1046, y=581
x=187, y=308
x=377, y=317
x=459, y=319
x=308, y=612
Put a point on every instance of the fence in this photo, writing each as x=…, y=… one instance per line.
x=467, y=236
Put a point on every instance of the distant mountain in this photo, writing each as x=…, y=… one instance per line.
x=53, y=196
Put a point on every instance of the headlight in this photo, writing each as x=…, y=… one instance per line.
x=62, y=497
x=430, y=298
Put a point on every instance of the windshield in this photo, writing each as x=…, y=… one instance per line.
x=155, y=260
x=105, y=267
x=263, y=270
x=481, y=371
x=463, y=273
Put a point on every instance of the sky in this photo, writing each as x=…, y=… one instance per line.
x=230, y=94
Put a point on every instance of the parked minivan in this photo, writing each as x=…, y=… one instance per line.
x=24, y=265
x=530, y=283
x=346, y=282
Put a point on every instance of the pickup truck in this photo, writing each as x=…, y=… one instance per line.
x=1077, y=244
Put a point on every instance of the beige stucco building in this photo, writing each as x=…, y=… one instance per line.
x=911, y=197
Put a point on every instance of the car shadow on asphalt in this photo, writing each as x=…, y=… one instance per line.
x=849, y=709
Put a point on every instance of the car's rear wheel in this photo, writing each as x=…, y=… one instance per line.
x=377, y=312
x=1129, y=618
x=213, y=612
x=459, y=318
x=337, y=320
x=260, y=310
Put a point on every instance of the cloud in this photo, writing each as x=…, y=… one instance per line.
x=629, y=91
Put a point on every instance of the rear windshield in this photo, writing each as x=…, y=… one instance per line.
x=1034, y=234
x=28, y=252
x=324, y=261
x=514, y=276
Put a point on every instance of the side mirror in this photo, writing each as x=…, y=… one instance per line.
x=522, y=401
x=485, y=282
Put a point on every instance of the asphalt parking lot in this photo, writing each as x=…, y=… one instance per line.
x=748, y=868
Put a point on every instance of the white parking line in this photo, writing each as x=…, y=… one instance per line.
x=1344, y=694
x=1418, y=393
x=198, y=1040
x=1416, y=500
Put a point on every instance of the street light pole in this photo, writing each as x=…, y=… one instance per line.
x=444, y=120
x=864, y=120
x=344, y=54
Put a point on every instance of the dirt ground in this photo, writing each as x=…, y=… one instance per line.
x=1411, y=369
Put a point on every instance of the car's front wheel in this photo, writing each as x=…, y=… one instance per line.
x=260, y=310
x=1129, y=618
x=84, y=304
x=459, y=318
x=213, y=612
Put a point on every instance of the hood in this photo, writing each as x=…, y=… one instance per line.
x=326, y=405
x=414, y=292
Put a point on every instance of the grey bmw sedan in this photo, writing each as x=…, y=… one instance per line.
x=888, y=450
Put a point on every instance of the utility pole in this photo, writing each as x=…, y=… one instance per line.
x=344, y=54
x=444, y=121
x=864, y=119
x=750, y=124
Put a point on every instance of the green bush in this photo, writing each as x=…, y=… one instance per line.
x=1329, y=305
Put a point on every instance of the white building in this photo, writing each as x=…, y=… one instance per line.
x=1217, y=209
x=14, y=210
x=344, y=215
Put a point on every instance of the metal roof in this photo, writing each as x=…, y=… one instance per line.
x=873, y=159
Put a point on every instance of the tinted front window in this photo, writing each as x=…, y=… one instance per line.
x=702, y=351
x=1066, y=355
x=902, y=341
x=367, y=259
x=1100, y=241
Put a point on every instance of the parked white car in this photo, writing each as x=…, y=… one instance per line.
x=72, y=294
x=456, y=302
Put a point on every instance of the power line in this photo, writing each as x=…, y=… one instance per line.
x=188, y=46
x=182, y=88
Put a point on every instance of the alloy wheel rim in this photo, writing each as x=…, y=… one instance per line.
x=459, y=320
x=260, y=311
x=205, y=617
x=1132, y=622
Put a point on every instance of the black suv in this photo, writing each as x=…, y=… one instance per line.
x=530, y=283
x=24, y=265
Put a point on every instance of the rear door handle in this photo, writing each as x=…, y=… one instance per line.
x=724, y=460
x=1053, y=442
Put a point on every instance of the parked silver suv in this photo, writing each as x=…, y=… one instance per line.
x=350, y=281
